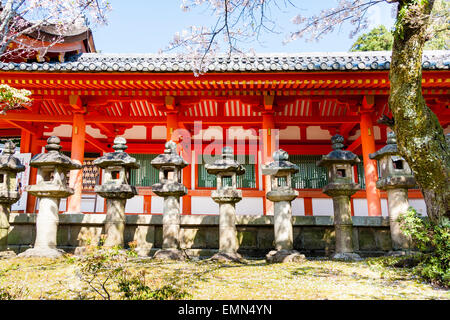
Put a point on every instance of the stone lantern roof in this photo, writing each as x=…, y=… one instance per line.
x=389, y=149
x=7, y=160
x=280, y=164
x=393, y=180
x=117, y=158
x=170, y=157
x=338, y=156
x=226, y=164
x=54, y=157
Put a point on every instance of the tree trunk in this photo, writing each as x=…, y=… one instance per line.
x=420, y=137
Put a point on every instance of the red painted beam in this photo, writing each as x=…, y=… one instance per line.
x=97, y=144
x=24, y=126
x=355, y=145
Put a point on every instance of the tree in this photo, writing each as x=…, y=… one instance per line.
x=21, y=18
x=11, y=98
x=378, y=39
x=381, y=39
x=420, y=136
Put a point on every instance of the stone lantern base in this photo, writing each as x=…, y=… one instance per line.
x=228, y=257
x=171, y=254
x=402, y=253
x=40, y=252
x=7, y=255
x=282, y=256
x=347, y=256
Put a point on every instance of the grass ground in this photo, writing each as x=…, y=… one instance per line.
x=313, y=279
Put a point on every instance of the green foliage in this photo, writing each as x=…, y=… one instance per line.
x=132, y=249
x=441, y=31
x=378, y=39
x=15, y=292
x=99, y=269
x=133, y=287
x=381, y=39
x=106, y=274
x=433, y=240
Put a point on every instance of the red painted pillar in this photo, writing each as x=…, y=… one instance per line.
x=147, y=204
x=172, y=124
x=25, y=142
x=370, y=166
x=77, y=154
x=308, y=206
x=268, y=126
x=35, y=148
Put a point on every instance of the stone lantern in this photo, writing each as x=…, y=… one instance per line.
x=116, y=190
x=396, y=178
x=9, y=194
x=282, y=194
x=170, y=165
x=226, y=195
x=341, y=187
x=51, y=186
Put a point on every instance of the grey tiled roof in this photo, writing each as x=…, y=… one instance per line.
x=322, y=61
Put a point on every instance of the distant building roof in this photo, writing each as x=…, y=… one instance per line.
x=320, y=61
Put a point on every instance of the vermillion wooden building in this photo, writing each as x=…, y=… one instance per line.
x=300, y=100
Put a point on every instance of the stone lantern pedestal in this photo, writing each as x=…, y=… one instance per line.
x=116, y=190
x=282, y=194
x=226, y=195
x=50, y=188
x=341, y=187
x=395, y=178
x=9, y=167
x=171, y=189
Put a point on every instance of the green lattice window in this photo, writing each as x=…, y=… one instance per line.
x=146, y=175
x=248, y=180
x=361, y=176
x=310, y=175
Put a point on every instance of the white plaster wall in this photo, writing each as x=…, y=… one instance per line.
x=204, y=205
x=63, y=130
x=238, y=133
x=419, y=205
x=298, y=207
x=290, y=133
x=135, y=205
x=95, y=132
x=250, y=207
x=322, y=207
x=88, y=203
x=316, y=133
x=158, y=205
x=361, y=207
x=355, y=136
x=377, y=132
x=136, y=133
x=213, y=132
x=159, y=133
x=62, y=204
x=384, y=208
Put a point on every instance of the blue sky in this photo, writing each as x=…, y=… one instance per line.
x=146, y=26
